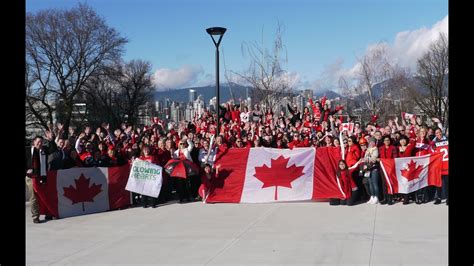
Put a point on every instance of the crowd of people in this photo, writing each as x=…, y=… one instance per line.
x=317, y=125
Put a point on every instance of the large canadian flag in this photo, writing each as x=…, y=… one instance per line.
x=79, y=191
x=406, y=175
x=259, y=175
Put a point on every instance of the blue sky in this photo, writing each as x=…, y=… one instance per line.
x=322, y=37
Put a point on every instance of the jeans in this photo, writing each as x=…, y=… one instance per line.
x=374, y=182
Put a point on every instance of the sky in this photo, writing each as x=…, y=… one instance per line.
x=322, y=38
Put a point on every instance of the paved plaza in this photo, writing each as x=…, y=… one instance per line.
x=299, y=233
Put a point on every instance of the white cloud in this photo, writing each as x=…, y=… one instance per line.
x=292, y=78
x=165, y=78
x=407, y=47
x=411, y=45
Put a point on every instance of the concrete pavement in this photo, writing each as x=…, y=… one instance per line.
x=299, y=233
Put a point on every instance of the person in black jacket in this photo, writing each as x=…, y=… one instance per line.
x=57, y=159
x=296, y=115
x=37, y=167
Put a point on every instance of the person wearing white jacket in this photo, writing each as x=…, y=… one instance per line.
x=371, y=170
x=184, y=149
x=207, y=156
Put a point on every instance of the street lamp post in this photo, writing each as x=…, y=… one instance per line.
x=217, y=31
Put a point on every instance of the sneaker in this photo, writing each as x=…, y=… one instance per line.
x=437, y=201
x=48, y=217
x=371, y=200
x=376, y=200
x=406, y=202
x=36, y=220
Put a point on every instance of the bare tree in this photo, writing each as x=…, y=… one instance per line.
x=373, y=69
x=432, y=73
x=64, y=48
x=136, y=88
x=103, y=94
x=265, y=74
x=38, y=108
x=118, y=91
x=398, y=91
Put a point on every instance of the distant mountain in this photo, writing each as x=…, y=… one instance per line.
x=419, y=87
x=328, y=93
x=238, y=91
x=208, y=92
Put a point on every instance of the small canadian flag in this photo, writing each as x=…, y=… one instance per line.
x=347, y=126
x=408, y=174
x=408, y=116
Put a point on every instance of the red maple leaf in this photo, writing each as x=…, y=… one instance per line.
x=82, y=192
x=278, y=174
x=412, y=171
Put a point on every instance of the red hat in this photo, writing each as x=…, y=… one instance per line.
x=362, y=141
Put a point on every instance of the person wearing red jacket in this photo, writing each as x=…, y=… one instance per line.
x=422, y=143
x=405, y=150
x=346, y=184
x=298, y=143
x=325, y=113
x=207, y=179
x=353, y=152
x=235, y=114
x=440, y=143
x=352, y=157
x=221, y=147
x=316, y=109
x=422, y=147
x=387, y=151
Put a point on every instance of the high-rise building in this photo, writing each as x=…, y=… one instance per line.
x=212, y=104
x=167, y=103
x=299, y=101
x=189, y=113
x=173, y=112
x=192, y=95
x=308, y=94
x=199, y=106
x=158, y=106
